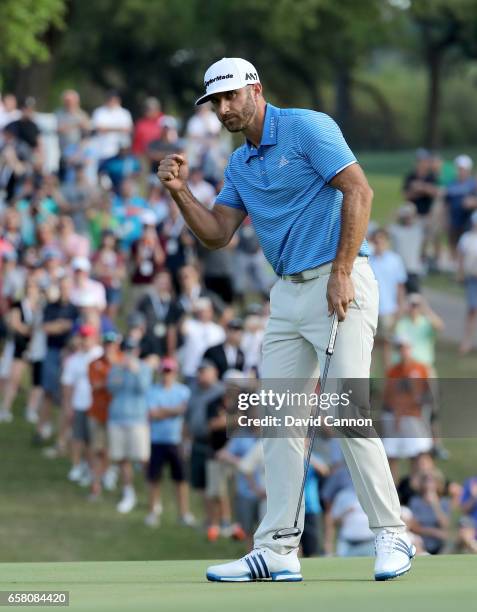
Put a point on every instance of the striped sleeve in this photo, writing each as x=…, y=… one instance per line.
x=323, y=144
x=229, y=196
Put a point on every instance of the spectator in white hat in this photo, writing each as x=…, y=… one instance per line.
x=86, y=291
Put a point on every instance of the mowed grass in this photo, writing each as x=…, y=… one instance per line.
x=43, y=517
x=339, y=585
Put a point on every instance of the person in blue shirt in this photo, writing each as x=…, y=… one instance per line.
x=248, y=504
x=123, y=165
x=167, y=404
x=468, y=501
x=309, y=203
x=128, y=424
x=317, y=470
x=460, y=199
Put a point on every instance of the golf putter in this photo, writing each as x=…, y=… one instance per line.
x=291, y=532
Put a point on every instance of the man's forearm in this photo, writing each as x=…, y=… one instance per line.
x=355, y=213
x=201, y=221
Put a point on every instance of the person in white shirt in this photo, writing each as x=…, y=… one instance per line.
x=407, y=239
x=201, y=189
x=78, y=398
x=85, y=291
x=467, y=272
x=113, y=125
x=202, y=131
x=8, y=110
x=200, y=333
x=355, y=538
x=390, y=273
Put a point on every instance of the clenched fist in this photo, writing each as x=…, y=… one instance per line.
x=173, y=172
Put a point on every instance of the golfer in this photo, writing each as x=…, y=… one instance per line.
x=309, y=203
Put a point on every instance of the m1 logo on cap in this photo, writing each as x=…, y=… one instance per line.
x=251, y=76
x=219, y=77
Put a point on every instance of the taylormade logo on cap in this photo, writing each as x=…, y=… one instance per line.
x=227, y=74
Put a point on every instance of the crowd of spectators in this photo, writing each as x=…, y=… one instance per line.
x=125, y=342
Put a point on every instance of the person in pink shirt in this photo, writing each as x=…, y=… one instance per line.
x=71, y=243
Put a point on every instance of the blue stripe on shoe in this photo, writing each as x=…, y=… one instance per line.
x=395, y=574
x=404, y=548
x=217, y=578
x=257, y=565
x=286, y=576
x=252, y=569
x=265, y=567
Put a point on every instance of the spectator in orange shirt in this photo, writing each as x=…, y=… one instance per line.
x=406, y=430
x=98, y=414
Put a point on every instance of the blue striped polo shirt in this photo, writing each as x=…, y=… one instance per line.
x=284, y=186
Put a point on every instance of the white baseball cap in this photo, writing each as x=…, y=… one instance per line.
x=227, y=74
x=81, y=263
x=464, y=161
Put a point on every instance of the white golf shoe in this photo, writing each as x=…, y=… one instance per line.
x=394, y=552
x=260, y=564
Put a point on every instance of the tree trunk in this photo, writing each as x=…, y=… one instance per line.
x=343, y=100
x=434, y=67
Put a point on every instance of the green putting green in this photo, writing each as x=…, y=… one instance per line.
x=435, y=584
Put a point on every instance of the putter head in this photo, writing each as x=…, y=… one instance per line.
x=288, y=532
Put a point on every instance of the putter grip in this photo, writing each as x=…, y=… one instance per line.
x=334, y=329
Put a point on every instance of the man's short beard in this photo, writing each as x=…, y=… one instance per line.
x=247, y=113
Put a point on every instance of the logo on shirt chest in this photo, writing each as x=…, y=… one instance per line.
x=283, y=161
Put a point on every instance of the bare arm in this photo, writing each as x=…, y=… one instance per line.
x=356, y=208
x=214, y=228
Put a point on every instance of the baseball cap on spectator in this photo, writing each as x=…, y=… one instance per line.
x=202, y=303
x=148, y=217
x=81, y=264
x=400, y=340
x=422, y=153
x=51, y=253
x=168, y=122
x=136, y=319
x=464, y=161
x=254, y=309
x=9, y=255
x=206, y=363
x=111, y=337
x=87, y=331
x=28, y=102
x=168, y=364
x=407, y=210
x=227, y=74
x=235, y=324
x=130, y=343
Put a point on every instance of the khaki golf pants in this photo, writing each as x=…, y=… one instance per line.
x=294, y=347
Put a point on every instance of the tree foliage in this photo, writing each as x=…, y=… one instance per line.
x=308, y=52
x=22, y=25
